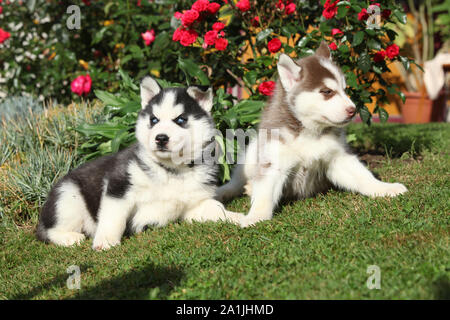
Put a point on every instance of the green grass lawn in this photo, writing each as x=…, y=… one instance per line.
x=317, y=248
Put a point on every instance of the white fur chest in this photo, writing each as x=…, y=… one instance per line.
x=309, y=149
x=162, y=186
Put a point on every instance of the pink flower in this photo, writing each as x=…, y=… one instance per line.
x=178, y=15
x=210, y=37
x=290, y=8
x=4, y=35
x=189, y=17
x=336, y=31
x=330, y=9
x=218, y=26
x=188, y=37
x=221, y=44
x=274, y=45
x=81, y=85
x=200, y=5
x=332, y=46
x=266, y=88
x=363, y=15
x=243, y=5
x=148, y=36
x=213, y=7
x=379, y=56
x=1, y=10
x=392, y=51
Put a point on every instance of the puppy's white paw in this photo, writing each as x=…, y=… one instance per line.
x=389, y=190
x=248, y=221
x=66, y=238
x=104, y=244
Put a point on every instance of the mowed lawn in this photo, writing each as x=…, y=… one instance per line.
x=318, y=248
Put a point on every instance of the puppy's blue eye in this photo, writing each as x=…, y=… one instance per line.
x=180, y=120
x=154, y=120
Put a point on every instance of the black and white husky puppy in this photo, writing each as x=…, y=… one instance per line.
x=307, y=115
x=161, y=178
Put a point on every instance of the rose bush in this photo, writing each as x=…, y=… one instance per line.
x=210, y=42
x=41, y=55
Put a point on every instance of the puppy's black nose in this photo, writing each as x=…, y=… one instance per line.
x=162, y=139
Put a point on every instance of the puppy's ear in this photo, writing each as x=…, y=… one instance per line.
x=288, y=71
x=149, y=89
x=203, y=96
x=324, y=51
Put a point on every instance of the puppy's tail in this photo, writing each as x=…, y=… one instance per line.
x=235, y=187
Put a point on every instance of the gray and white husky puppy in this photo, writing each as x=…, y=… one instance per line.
x=308, y=112
x=159, y=179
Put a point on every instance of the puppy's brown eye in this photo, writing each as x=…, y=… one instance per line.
x=326, y=91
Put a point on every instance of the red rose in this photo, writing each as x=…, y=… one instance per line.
x=178, y=15
x=221, y=44
x=210, y=37
x=274, y=45
x=392, y=51
x=280, y=5
x=336, y=31
x=81, y=85
x=243, y=5
x=379, y=56
x=363, y=15
x=330, y=9
x=213, y=7
x=188, y=37
x=4, y=35
x=332, y=46
x=200, y=5
x=1, y=10
x=178, y=34
x=290, y=8
x=218, y=26
x=266, y=88
x=255, y=21
x=386, y=13
x=189, y=17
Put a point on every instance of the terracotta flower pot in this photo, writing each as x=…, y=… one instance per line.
x=418, y=108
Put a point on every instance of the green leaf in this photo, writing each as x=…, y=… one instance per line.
x=127, y=80
x=405, y=62
x=303, y=41
x=382, y=113
x=358, y=38
x=374, y=44
x=192, y=69
x=344, y=48
x=251, y=77
x=99, y=35
x=400, y=15
x=264, y=34
x=108, y=98
x=364, y=62
x=365, y=114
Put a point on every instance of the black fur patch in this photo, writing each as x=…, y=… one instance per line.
x=191, y=107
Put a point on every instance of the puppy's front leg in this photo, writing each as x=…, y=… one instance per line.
x=112, y=219
x=347, y=172
x=266, y=191
x=211, y=210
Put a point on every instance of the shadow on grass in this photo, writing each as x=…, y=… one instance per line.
x=441, y=288
x=394, y=139
x=147, y=282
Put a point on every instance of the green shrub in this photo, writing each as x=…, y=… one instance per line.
x=36, y=150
